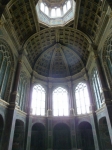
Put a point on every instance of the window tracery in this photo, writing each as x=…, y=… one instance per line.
x=5, y=69
x=109, y=55
x=97, y=88
x=38, y=100
x=60, y=102
x=82, y=99
x=22, y=91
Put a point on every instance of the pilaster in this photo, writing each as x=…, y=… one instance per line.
x=106, y=97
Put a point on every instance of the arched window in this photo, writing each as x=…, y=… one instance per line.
x=46, y=10
x=42, y=7
x=58, y=12
x=82, y=99
x=68, y=5
x=53, y=12
x=65, y=8
x=109, y=55
x=60, y=102
x=22, y=91
x=5, y=69
x=97, y=88
x=38, y=100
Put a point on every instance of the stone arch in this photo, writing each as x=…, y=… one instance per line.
x=61, y=137
x=18, y=140
x=38, y=137
x=85, y=136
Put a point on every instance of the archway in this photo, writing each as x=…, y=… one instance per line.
x=61, y=137
x=85, y=136
x=104, y=134
x=18, y=140
x=1, y=128
x=38, y=137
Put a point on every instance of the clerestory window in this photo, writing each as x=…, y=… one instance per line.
x=38, y=100
x=60, y=102
x=82, y=99
x=57, y=14
x=97, y=88
x=109, y=55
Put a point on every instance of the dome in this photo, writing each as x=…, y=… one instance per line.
x=58, y=61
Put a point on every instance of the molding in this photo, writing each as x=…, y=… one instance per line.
x=4, y=103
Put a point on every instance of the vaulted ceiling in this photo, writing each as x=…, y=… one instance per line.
x=40, y=42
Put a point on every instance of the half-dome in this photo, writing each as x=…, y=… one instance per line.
x=58, y=61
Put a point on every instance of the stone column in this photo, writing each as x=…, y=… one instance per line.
x=11, y=112
x=92, y=107
x=73, y=135
x=15, y=97
x=71, y=99
x=50, y=135
x=28, y=132
x=105, y=91
x=95, y=131
x=29, y=119
x=9, y=130
x=49, y=100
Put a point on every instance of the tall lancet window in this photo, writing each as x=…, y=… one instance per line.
x=109, y=55
x=38, y=100
x=82, y=99
x=60, y=102
x=97, y=88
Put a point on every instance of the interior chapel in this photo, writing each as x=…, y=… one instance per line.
x=55, y=74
